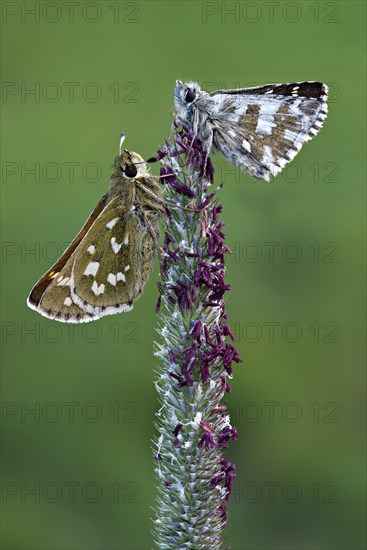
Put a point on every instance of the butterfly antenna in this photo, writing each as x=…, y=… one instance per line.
x=122, y=139
x=148, y=161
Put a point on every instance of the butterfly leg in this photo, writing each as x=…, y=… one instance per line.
x=195, y=128
x=207, y=145
x=204, y=223
x=189, y=208
x=153, y=232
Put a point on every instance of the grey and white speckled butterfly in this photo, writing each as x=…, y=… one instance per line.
x=104, y=269
x=257, y=129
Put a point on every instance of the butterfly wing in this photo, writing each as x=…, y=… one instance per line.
x=87, y=282
x=113, y=262
x=261, y=129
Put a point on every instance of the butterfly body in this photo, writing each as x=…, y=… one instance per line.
x=105, y=268
x=258, y=129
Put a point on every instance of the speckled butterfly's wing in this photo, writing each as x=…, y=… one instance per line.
x=102, y=272
x=56, y=308
x=113, y=262
x=261, y=129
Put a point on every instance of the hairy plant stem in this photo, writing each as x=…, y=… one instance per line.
x=195, y=357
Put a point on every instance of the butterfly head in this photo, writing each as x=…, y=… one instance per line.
x=131, y=165
x=185, y=94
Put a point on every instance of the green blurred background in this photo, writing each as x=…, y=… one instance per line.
x=99, y=68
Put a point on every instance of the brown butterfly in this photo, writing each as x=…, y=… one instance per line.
x=105, y=268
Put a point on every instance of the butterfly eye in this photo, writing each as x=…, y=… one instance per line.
x=190, y=96
x=130, y=171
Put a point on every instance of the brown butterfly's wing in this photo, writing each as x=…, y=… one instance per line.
x=59, y=309
x=104, y=272
x=109, y=274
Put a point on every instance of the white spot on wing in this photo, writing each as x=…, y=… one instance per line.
x=266, y=122
x=126, y=240
x=110, y=224
x=115, y=246
x=97, y=289
x=111, y=279
x=64, y=281
x=268, y=152
x=127, y=268
x=91, y=268
x=246, y=145
x=121, y=277
x=91, y=249
x=282, y=162
x=264, y=126
x=67, y=301
x=291, y=136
